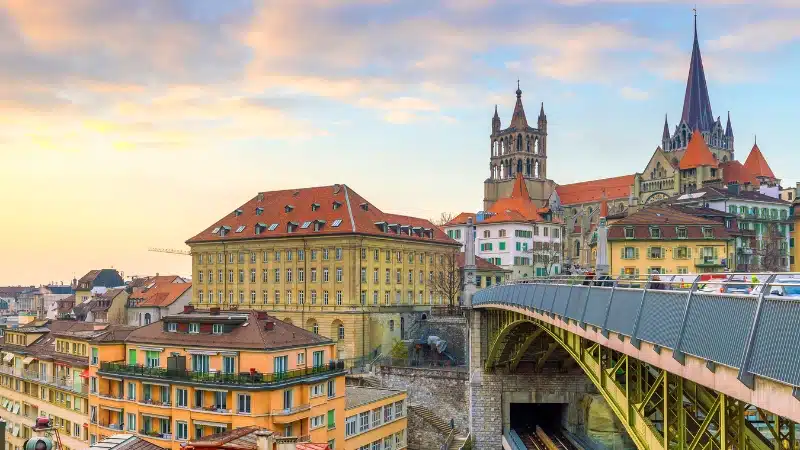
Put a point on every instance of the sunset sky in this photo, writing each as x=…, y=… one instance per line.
x=134, y=124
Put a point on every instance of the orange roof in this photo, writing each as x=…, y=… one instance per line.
x=517, y=208
x=697, y=153
x=480, y=263
x=592, y=191
x=316, y=211
x=757, y=164
x=461, y=219
x=161, y=294
x=735, y=172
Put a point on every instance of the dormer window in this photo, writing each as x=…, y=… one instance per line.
x=237, y=213
x=223, y=231
x=288, y=208
x=655, y=232
x=194, y=328
x=314, y=206
x=708, y=232
x=629, y=233
x=291, y=227
x=381, y=226
x=336, y=205
x=364, y=206
x=172, y=327
x=259, y=211
x=240, y=228
x=216, y=328
x=681, y=232
x=318, y=225
x=260, y=227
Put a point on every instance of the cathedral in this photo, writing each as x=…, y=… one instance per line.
x=698, y=152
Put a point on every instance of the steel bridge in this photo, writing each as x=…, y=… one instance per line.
x=682, y=361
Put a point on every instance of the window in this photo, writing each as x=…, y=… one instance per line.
x=301, y=297
x=338, y=254
x=655, y=232
x=341, y=332
x=487, y=233
x=172, y=327
x=229, y=364
x=399, y=276
x=288, y=275
x=181, y=398
x=681, y=253
x=194, y=328
x=486, y=247
x=287, y=400
x=131, y=391
x=216, y=328
x=317, y=421
x=629, y=233
x=501, y=233
x=200, y=363
x=325, y=297
x=264, y=297
x=325, y=275
x=277, y=296
x=318, y=357
x=376, y=417
x=313, y=297
x=281, y=364
x=338, y=274
x=388, y=413
x=181, y=430
x=94, y=356
x=317, y=390
x=93, y=384
x=301, y=359
x=243, y=404
x=331, y=388
x=374, y=297
x=339, y=298
x=363, y=422
x=630, y=253
x=277, y=275
x=131, y=422
x=331, y=420
x=350, y=426
x=315, y=328
x=655, y=253
x=681, y=232
x=545, y=230
x=153, y=358
x=708, y=232
x=398, y=409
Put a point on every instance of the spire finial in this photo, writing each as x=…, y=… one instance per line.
x=519, y=91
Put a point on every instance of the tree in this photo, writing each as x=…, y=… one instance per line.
x=443, y=219
x=771, y=250
x=448, y=281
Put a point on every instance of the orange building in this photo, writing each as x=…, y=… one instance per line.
x=204, y=372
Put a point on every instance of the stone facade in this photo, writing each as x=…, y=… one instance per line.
x=451, y=329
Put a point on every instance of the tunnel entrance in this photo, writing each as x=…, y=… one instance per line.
x=525, y=416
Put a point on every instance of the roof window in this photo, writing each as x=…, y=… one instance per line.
x=336, y=204
x=314, y=206
x=336, y=223
x=291, y=227
x=260, y=227
x=259, y=211
x=305, y=225
x=381, y=226
x=364, y=206
x=273, y=226
x=288, y=208
x=215, y=231
x=238, y=212
x=240, y=228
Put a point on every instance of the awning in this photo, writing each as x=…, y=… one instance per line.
x=155, y=415
x=201, y=388
x=106, y=377
x=111, y=408
x=8, y=357
x=203, y=352
x=85, y=373
x=210, y=424
x=154, y=383
x=28, y=360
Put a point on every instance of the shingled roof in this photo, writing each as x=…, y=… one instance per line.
x=316, y=211
x=757, y=164
x=592, y=191
x=697, y=153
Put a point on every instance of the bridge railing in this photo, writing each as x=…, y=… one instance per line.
x=747, y=321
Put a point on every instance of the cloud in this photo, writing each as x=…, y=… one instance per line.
x=759, y=36
x=632, y=93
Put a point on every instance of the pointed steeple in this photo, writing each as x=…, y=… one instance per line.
x=697, y=153
x=518, y=120
x=757, y=164
x=665, y=136
x=542, y=115
x=696, y=103
x=495, y=120
x=520, y=188
x=728, y=127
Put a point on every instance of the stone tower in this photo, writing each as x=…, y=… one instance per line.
x=519, y=148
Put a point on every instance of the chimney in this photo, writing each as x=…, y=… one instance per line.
x=269, y=326
x=265, y=440
x=733, y=188
x=188, y=309
x=215, y=310
x=286, y=443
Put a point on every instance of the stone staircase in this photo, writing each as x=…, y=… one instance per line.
x=440, y=424
x=458, y=442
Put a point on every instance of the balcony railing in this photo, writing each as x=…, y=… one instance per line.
x=708, y=261
x=292, y=410
x=111, y=425
x=254, y=379
x=60, y=382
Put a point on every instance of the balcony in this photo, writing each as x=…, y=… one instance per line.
x=252, y=380
x=36, y=377
x=156, y=435
x=288, y=415
x=116, y=426
x=708, y=261
x=290, y=411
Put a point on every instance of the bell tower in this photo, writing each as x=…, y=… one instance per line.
x=519, y=148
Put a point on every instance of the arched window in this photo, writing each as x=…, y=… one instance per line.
x=577, y=249
x=536, y=146
x=724, y=158
x=519, y=143
x=528, y=167
x=528, y=144
x=519, y=165
x=147, y=319
x=341, y=332
x=536, y=169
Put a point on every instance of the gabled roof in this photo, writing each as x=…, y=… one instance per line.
x=734, y=172
x=592, y=191
x=480, y=263
x=160, y=295
x=337, y=210
x=757, y=164
x=517, y=208
x=667, y=220
x=697, y=153
x=461, y=219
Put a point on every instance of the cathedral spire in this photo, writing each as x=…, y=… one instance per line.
x=729, y=128
x=665, y=136
x=518, y=120
x=696, y=103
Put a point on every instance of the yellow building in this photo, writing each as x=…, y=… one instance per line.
x=324, y=259
x=204, y=372
x=375, y=418
x=664, y=240
x=794, y=238
x=43, y=373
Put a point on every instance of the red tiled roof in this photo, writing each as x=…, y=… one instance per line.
x=353, y=215
x=89, y=277
x=245, y=438
x=667, y=219
x=592, y=191
x=517, y=208
x=757, y=164
x=697, y=153
x=480, y=263
x=162, y=294
x=735, y=172
x=461, y=219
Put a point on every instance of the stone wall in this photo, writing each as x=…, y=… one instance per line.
x=422, y=435
x=452, y=329
x=446, y=392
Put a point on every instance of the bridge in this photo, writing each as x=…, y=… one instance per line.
x=684, y=362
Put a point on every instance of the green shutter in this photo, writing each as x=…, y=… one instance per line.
x=502, y=246
x=519, y=246
x=622, y=252
x=132, y=356
x=636, y=253
x=331, y=419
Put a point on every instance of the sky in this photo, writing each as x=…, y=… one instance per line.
x=130, y=124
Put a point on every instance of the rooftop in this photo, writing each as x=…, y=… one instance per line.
x=316, y=211
x=358, y=396
x=124, y=442
x=592, y=191
x=480, y=263
x=245, y=437
x=668, y=221
x=719, y=193
x=757, y=164
x=697, y=153
x=159, y=293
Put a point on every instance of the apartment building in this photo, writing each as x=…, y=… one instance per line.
x=375, y=419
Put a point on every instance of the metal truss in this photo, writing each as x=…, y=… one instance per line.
x=660, y=410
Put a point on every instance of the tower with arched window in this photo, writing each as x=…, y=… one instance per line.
x=519, y=148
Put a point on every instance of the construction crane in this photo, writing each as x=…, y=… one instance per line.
x=169, y=250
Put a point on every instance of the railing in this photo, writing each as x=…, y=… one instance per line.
x=155, y=434
x=60, y=382
x=746, y=321
x=291, y=410
x=443, y=362
x=111, y=396
x=449, y=439
x=111, y=425
x=447, y=311
x=708, y=261
x=242, y=379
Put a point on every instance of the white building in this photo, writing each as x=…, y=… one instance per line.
x=515, y=235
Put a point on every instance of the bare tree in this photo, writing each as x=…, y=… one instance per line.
x=443, y=219
x=771, y=251
x=448, y=281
